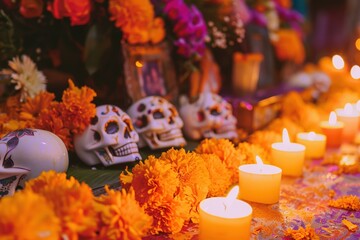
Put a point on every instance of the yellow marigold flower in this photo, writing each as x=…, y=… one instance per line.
x=226, y=151
x=76, y=108
x=13, y=124
x=192, y=173
x=153, y=180
x=219, y=176
x=126, y=178
x=307, y=233
x=249, y=151
x=350, y=202
x=73, y=203
x=265, y=138
x=28, y=216
x=288, y=46
x=121, y=216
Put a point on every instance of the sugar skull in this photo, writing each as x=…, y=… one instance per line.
x=109, y=139
x=210, y=116
x=25, y=153
x=158, y=123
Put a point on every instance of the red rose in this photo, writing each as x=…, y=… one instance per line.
x=31, y=8
x=77, y=10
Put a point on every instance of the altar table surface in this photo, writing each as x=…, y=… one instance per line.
x=303, y=200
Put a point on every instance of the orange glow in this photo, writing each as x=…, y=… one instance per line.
x=138, y=64
x=338, y=62
x=357, y=44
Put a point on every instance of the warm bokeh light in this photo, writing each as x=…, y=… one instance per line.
x=138, y=64
x=355, y=72
x=357, y=44
x=338, y=62
x=332, y=118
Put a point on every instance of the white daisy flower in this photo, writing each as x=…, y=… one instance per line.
x=26, y=77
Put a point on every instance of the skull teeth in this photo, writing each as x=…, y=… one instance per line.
x=124, y=150
x=170, y=135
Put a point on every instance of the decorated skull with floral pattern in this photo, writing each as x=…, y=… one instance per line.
x=158, y=123
x=26, y=153
x=109, y=139
x=210, y=116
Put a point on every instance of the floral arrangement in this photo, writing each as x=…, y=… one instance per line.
x=284, y=26
x=31, y=106
x=67, y=209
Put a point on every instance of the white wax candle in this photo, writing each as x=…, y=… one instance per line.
x=350, y=117
x=314, y=143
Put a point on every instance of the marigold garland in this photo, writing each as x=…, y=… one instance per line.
x=121, y=216
x=72, y=202
x=226, y=151
x=218, y=173
x=265, y=138
x=249, y=151
x=192, y=173
x=27, y=215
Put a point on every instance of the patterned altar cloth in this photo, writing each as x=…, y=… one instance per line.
x=302, y=201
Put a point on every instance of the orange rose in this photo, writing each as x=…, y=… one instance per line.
x=77, y=10
x=31, y=8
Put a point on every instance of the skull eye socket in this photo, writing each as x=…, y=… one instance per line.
x=158, y=114
x=141, y=121
x=215, y=111
x=201, y=116
x=97, y=136
x=111, y=127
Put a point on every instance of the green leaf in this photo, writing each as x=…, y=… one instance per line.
x=98, y=41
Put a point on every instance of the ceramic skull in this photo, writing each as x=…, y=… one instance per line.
x=26, y=153
x=210, y=116
x=158, y=123
x=109, y=139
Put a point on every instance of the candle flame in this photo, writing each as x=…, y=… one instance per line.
x=311, y=135
x=259, y=162
x=355, y=72
x=332, y=118
x=230, y=198
x=138, y=64
x=285, y=136
x=348, y=160
x=348, y=108
x=338, y=62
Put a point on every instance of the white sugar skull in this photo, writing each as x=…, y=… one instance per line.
x=158, y=123
x=209, y=117
x=109, y=139
x=26, y=153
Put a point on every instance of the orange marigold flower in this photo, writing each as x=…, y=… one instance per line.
x=219, y=175
x=27, y=215
x=154, y=179
x=121, y=216
x=249, y=151
x=192, y=173
x=289, y=47
x=280, y=123
x=169, y=215
x=226, y=151
x=13, y=106
x=73, y=203
x=350, y=202
x=265, y=138
x=76, y=108
x=301, y=233
x=38, y=103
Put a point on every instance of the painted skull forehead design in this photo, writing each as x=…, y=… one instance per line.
x=158, y=123
x=26, y=153
x=209, y=117
x=109, y=139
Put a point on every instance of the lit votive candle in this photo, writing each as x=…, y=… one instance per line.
x=225, y=218
x=350, y=117
x=332, y=129
x=259, y=182
x=288, y=156
x=314, y=143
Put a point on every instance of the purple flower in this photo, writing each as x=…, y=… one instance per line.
x=258, y=18
x=176, y=9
